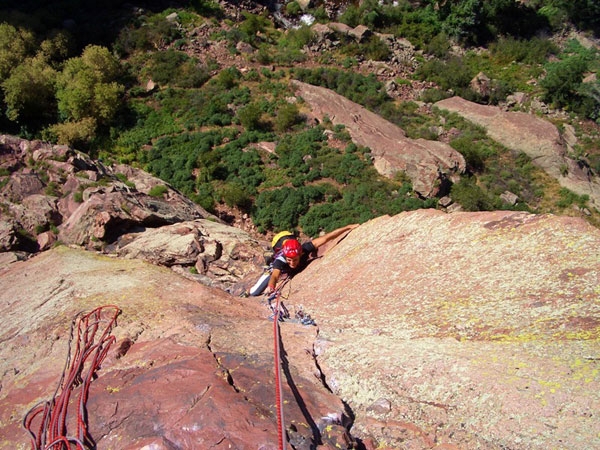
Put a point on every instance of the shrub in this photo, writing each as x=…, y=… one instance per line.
x=568, y=198
x=288, y=115
x=563, y=80
x=449, y=74
x=235, y=195
x=470, y=196
x=530, y=51
x=250, y=117
x=475, y=153
x=293, y=8
x=439, y=46
x=279, y=208
x=175, y=68
x=150, y=34
x=76, y=134
x=158, y=191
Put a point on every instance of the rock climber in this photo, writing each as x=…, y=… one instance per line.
x=292, y=258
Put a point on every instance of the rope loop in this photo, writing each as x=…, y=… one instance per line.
x=83, y=361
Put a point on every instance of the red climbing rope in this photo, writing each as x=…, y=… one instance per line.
x=278, y=384
x=91, y=346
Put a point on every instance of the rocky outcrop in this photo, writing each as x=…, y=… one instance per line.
x=536, y=137
x=52, y=188
x=192, y=367
x=209, y=252
x=429, y=164
x=54, y=194
x=454, y=331
x=463, y=330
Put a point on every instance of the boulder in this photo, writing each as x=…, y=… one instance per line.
x=538, y=138
x=481, y=84
x=429, y=164
x=509, y=198
x=223, y=256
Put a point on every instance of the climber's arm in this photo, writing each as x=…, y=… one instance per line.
x=322, y=240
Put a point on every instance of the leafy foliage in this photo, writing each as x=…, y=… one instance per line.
x=364, y=90
x=149, y=33
x=15, y=45
x=470, y=196
x=87, y=86
x=175, y=68
x=563, y=85
x=29, y=92
x=199, y=128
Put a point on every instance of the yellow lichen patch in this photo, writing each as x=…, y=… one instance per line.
x=523, y=337
x=586, y=370
x=551, y=385
x=579, y=335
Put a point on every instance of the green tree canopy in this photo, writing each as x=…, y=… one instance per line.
x=15, y=45
x=88, y=87
x=29, y=92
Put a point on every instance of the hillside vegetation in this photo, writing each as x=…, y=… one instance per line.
x=190, y=91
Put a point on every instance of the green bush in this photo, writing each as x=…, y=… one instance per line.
x=175, y=68
x=470, y=196
x=158, y=191
x=439, y=46
x=531, y=51
x=250, y=116
x=288, y=115
x=150, y=33
x=475, y=152
x=364, y=90
x=563, y=85
x=279, y=209
x=293, y=8
x=568, y=198
x=452, y=73
x=234, y=194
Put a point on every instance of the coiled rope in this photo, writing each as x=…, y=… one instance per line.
x=91, y=347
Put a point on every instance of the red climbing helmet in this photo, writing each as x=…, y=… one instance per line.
x=291, y=248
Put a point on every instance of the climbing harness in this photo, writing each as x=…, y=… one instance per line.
x=91, y=347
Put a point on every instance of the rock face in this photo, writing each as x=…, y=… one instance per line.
x=192, y=367
x=203, y=250
x=481, y=330
x=536, y=137
x=428, y=163
x=53, y=193
x=434, y=330
x=54, y=188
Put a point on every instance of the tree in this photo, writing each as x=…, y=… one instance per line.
x=29, y=92
x=87, y=86
x=15, y=46
x=563, y=80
